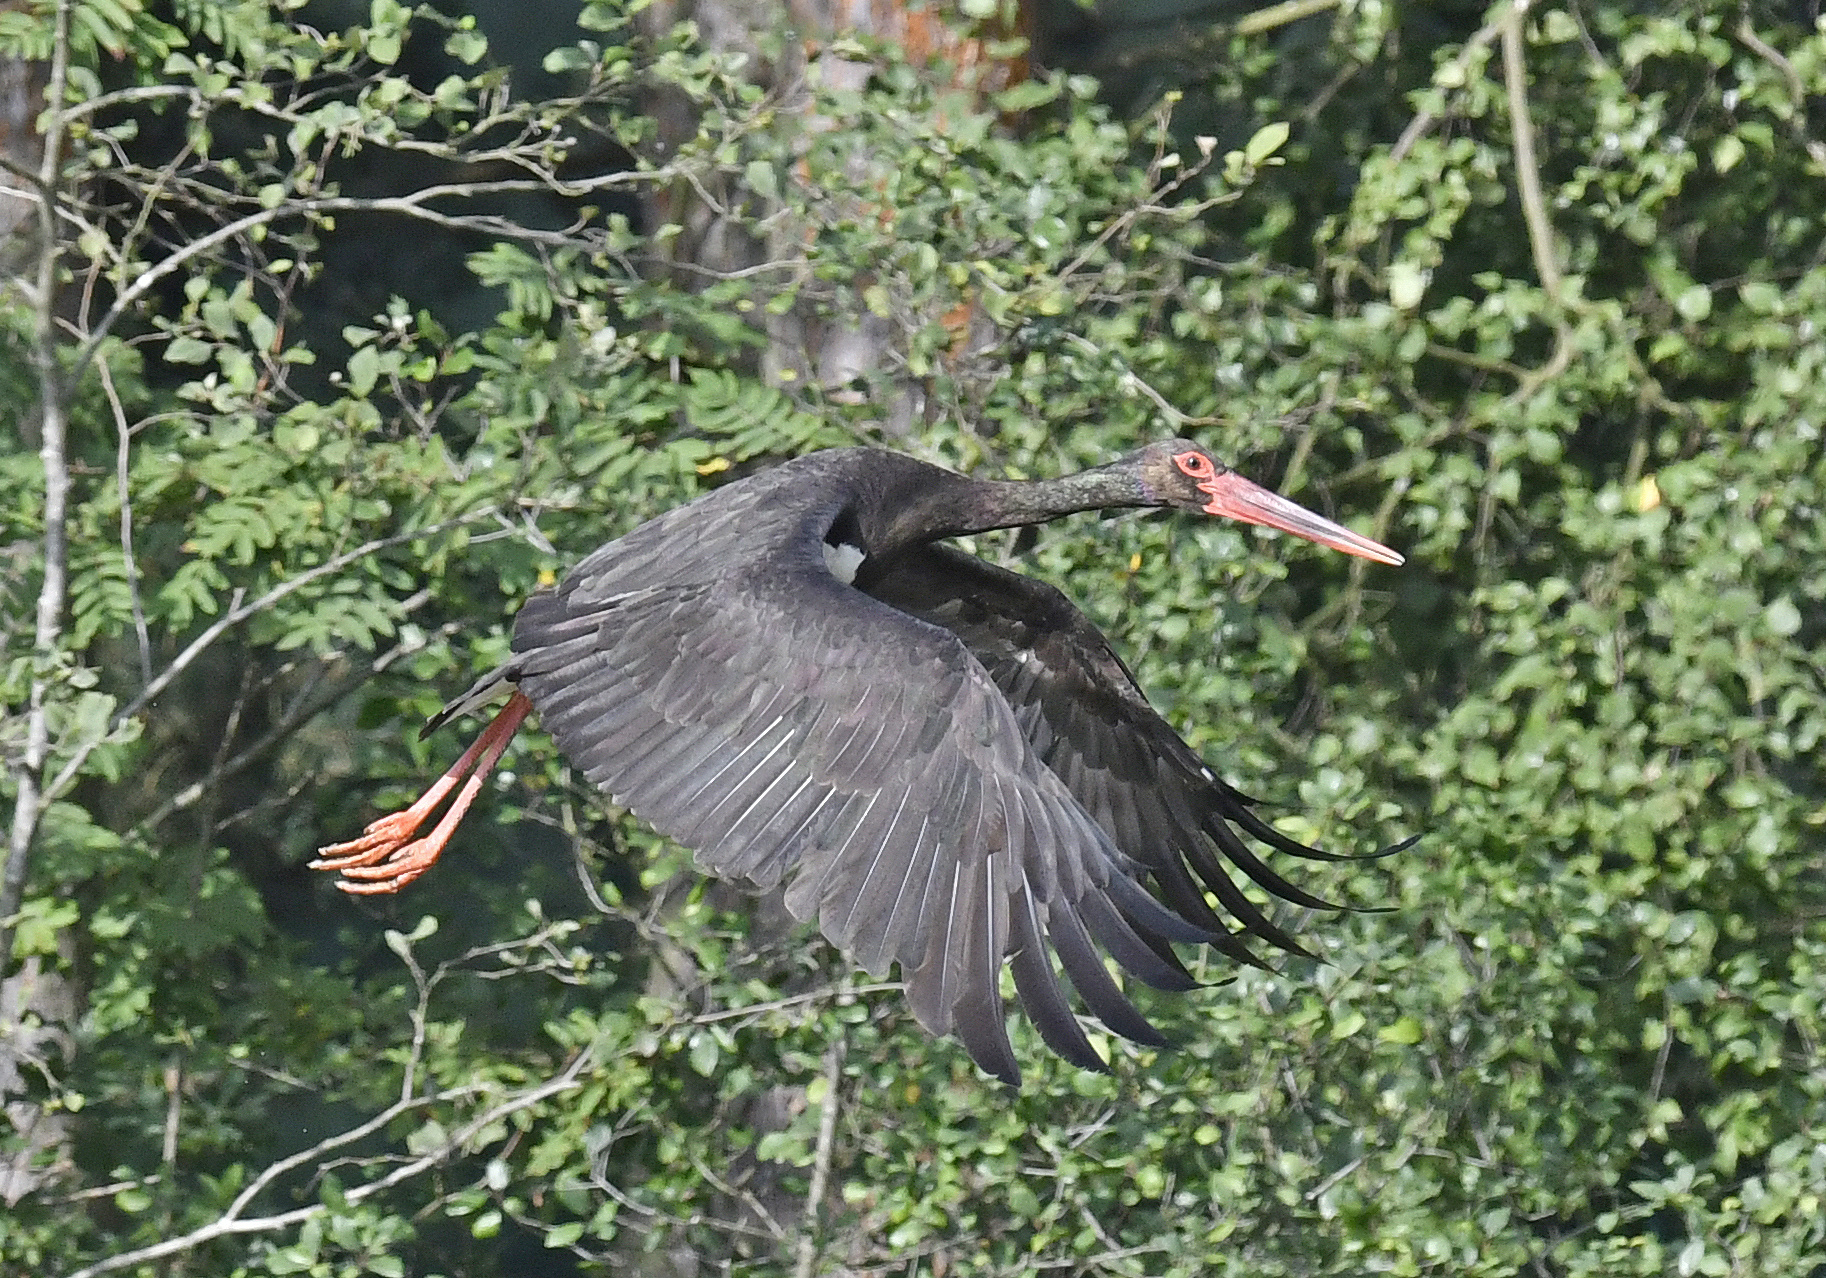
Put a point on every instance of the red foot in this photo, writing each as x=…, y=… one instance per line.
x=379, y=841
x=400, y=867
x=386, y=857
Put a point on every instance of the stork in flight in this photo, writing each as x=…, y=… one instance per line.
x=943, y=759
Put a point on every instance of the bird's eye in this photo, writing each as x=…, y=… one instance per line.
x=1197, y=465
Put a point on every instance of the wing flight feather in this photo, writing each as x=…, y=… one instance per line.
x=793, y=729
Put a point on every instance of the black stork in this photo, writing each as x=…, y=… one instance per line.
x=943, y=759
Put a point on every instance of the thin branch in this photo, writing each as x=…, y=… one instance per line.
x=237, y=613
x=29, y=806
x=413, y=205
x=1746, y=33
x=1131, y=380
x=1425, y=118
x=123, y=451
x=821, y=1157
x=1279, y=15
x=1527, y=167
x=174, y=1108
x=231, y=1221
x=304, y=706
x=1186, y=43
x=1151, y=203
x=108, y=1190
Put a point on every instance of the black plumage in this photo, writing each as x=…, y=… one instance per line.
x=942, y=760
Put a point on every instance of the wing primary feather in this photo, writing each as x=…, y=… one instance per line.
x=634, y=739
x=593, y=721
x=578, y=688
x=928, y=986
x=909, y=932
x=659, y=778
x=912, y=937
x=980, y=1019
x=1183, y=895
x=1149, y=914
x=898, y=928
x=843, y=765
x=1252, y=823
x=1241, y=908
x=1085, y=970
x=945, y=948
x=747, y=836
x=740, y=819
x=890, y=925
x=747, y=843
x=712, y=824
x=1249, y=863
x=877, y=949
x=677, y=755
x=1038, y=987
x=1036, y=845
x=1119, y=938
x=773, y=863
x=825, y=856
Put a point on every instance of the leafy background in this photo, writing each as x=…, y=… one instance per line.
x=1534, y=293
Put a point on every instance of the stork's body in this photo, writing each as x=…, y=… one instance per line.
x=942, y=759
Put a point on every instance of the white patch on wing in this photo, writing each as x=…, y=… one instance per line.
x=843, y=560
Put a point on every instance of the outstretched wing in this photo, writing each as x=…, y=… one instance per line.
x=1090, y=723
x=789, y=728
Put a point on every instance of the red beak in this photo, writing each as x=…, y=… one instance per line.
x=1234, y=497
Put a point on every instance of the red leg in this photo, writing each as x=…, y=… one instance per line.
x=386, y=858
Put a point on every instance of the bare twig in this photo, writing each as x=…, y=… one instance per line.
x=1187, y=42
x=1797, y=122
x=1151, y=203
x=1279, y=15
x=1131, y=380
x=304, y=706
x=174, y=1108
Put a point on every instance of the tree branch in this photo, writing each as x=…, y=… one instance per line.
x=123, y=452
x=1527, y=167
x=231, y=1220
x=1424, y=118
x=821, y=1157
x=30, y=803
x=237, y=613
x=413, y=205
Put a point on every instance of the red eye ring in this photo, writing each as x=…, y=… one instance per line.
x=1196, y=465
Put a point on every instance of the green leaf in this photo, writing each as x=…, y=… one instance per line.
x=1406, y=1031
x=1265, y=141
x=38, y=924
x=364, y=370
x=1028, y=95
x=468, y=47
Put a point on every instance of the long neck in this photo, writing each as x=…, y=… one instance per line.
x=957, y=504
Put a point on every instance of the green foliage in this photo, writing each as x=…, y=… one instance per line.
x=1582, y=1035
